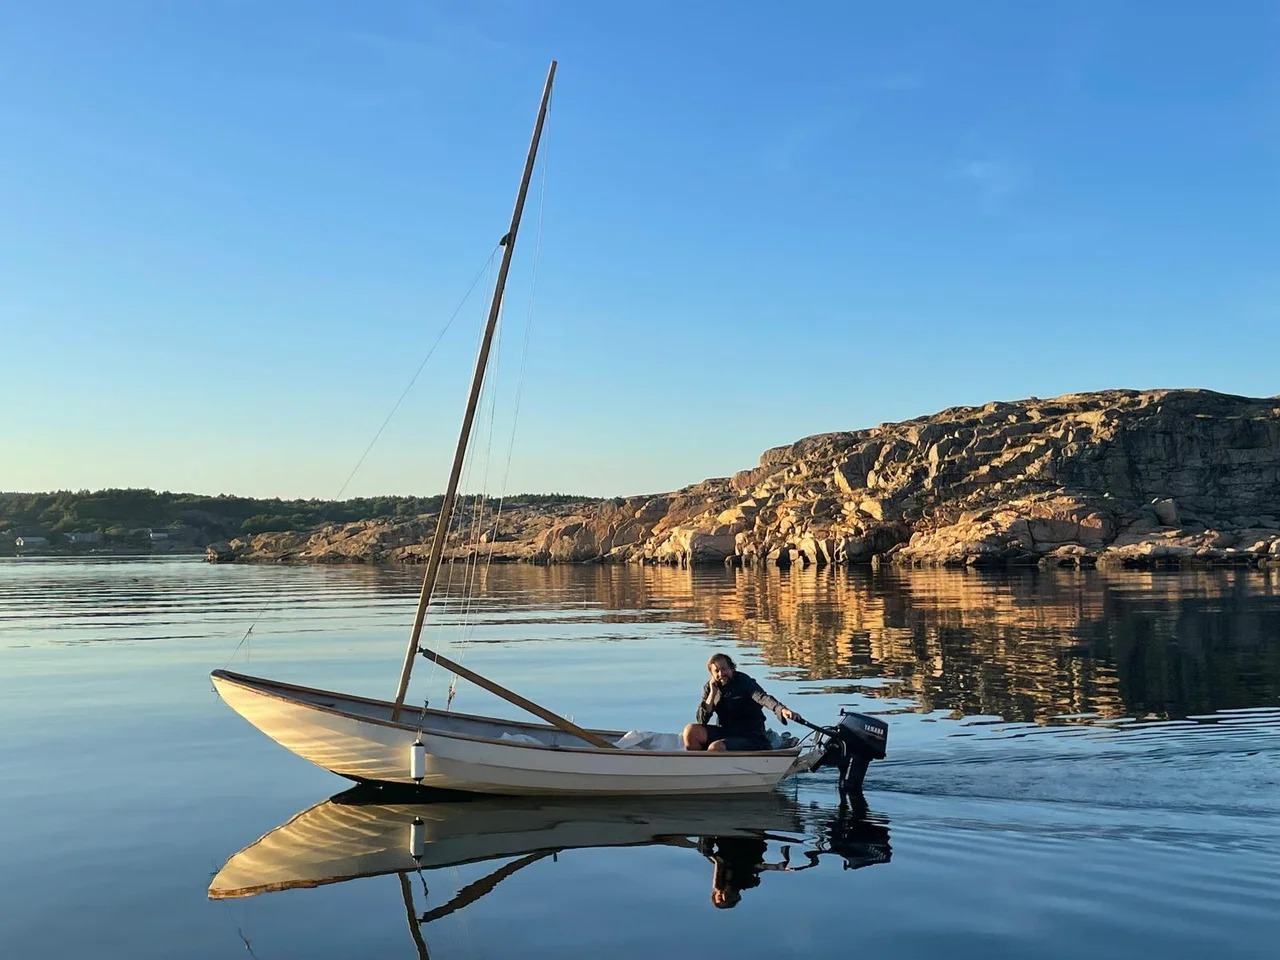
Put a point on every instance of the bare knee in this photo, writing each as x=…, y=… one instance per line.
x=694, y=736
x=719, y=746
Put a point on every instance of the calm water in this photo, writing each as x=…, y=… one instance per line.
x=1080, y=765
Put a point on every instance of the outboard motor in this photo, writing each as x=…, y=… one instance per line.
x=851, y=745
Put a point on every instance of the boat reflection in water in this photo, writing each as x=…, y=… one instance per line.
x=365, y=832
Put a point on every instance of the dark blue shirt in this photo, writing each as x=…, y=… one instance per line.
x=738, y=706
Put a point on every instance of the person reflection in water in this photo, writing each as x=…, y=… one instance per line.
x=738, y=704
x=739, y=861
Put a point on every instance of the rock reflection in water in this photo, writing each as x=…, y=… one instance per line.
x=1035, y=646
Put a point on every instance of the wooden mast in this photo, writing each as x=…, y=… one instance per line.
x=446, y=508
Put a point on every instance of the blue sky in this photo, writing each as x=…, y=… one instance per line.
x=230, y=231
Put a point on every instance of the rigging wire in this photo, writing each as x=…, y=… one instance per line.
x=417, y=373
x=471, y=566
x=524, y=348
x=486, y=267
x=458, y=521
x=454, y=526
x=474, y=557
x=489, y=396
x=481, y=501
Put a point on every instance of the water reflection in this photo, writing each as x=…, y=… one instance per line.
x=850, y=833
x=1040, y=646
x=367, y=832
x=1135, y=835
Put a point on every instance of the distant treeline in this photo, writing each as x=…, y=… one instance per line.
x=129, y=514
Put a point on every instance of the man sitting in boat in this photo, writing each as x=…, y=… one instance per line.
x=738, y=703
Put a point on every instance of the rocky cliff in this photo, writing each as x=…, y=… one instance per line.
x=1120, y=476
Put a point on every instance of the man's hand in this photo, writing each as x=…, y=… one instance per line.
x=785, y=714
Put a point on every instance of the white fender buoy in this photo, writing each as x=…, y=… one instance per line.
x=417, y=839
x=417, y=761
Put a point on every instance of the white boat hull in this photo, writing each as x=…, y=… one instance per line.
x=355, y=738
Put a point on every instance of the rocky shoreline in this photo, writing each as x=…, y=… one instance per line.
x=1117, y=477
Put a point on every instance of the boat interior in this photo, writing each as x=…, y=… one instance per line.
x=515, y=732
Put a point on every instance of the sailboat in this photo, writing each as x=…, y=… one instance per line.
x=387, y=742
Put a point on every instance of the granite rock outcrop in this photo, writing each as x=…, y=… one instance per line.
x=1136, y=478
